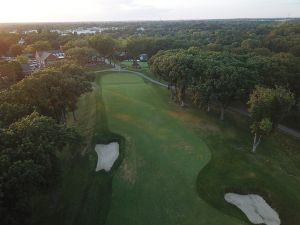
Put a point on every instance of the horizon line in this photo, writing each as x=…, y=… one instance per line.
x=152, y=20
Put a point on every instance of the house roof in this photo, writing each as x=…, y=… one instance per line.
x=43, y=55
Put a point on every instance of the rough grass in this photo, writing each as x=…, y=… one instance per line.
x=273, y=172
x=156, y=182
x=84, y=195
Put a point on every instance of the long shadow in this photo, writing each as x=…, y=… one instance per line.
x=102, y=135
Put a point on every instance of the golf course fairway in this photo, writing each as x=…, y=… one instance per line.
x=156, y=181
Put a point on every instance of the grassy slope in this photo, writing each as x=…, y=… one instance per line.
x=273, y=172
x=156, y=183
x=150, y=187
x=84, y=196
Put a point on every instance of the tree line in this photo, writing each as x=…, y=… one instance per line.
x=33, y=114
x=221, y=78
x=262, y=37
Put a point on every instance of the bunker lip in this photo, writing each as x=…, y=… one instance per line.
x=107, y=155
x=255, y=208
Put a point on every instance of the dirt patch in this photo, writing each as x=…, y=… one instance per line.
x=128, y=173
x=123, y=117
x=193, y=121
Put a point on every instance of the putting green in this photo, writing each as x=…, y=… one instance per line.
x=156, y=182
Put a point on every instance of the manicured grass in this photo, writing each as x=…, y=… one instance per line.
x=99, y=67
x=144, y=69
x=140, y=112
x=175, y=164
x=156, y=182
x=128, y=64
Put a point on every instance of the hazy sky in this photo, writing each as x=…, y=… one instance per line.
x=108, y=10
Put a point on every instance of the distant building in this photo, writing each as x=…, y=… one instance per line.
x=142, y=29
x=30, y=31
x=58, y=53
x=46, y=58
x=143, y=57
x=21, y=41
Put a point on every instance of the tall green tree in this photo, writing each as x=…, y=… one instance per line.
x=267, y=108
x=82, y=55
x=10, y=73
x=52, y=92
x=29, y=163
x=105, y=45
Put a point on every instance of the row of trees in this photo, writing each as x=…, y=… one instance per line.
x=82, y=49
x=32, y=132
x=259, y=37
x=222, y=78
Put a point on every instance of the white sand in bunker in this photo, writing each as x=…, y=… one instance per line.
x=255, y=208
x=107, y=155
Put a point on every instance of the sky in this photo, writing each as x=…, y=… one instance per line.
x=125, y=10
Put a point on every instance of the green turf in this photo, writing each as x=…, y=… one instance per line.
x=156, y=183
x=166, y=165
x=273, y=172
x=144, y=69
x=128, y=64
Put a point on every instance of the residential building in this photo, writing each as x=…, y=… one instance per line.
x=46, y=58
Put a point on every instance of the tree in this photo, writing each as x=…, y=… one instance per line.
x=76, y=43
x=50, y=91
x=15, y=50
x=10, y=73
x=81, y=55
x=267, y=108
x=250, y=44
x=176, y=67
x=29, y=49
x=22, y=59
x=105, y=45
x=227, y=84
x=224, y=77
x=41, y=46
x=214, y=47
x=10, y=113
x=38, y=46
x=28, y=163
x=3, y=47
x=135, y=47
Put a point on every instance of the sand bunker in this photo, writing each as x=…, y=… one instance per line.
x=107, y=155
x=255, y=208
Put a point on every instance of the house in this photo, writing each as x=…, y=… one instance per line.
x=143, y=57
x=21, y=41
x=142, y=29
x=46, y=58
x=58, y=53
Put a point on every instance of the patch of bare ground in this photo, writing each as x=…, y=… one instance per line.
x=128, y=172
x=193, y=121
